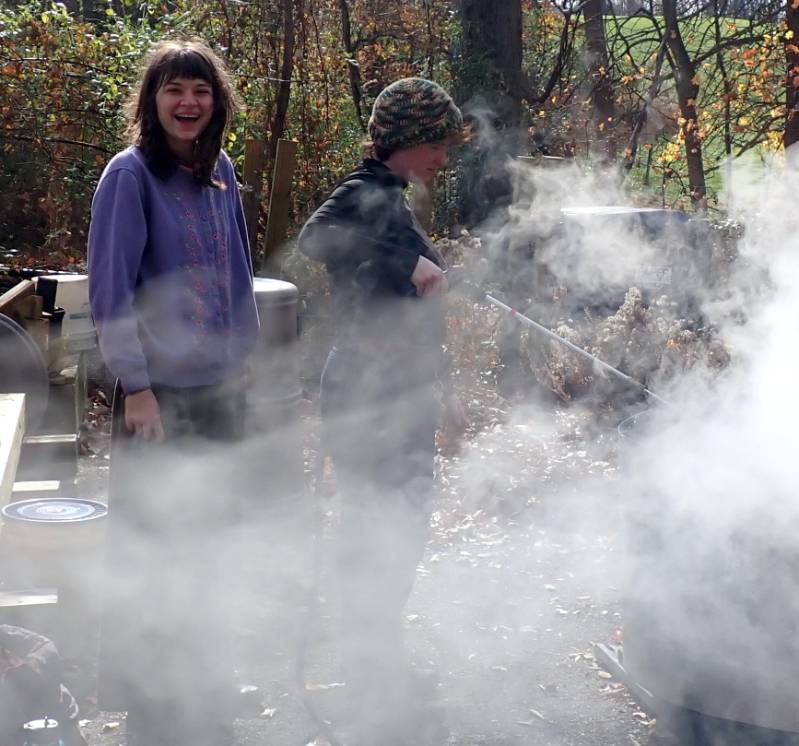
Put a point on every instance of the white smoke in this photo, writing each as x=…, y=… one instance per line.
x=706, y=488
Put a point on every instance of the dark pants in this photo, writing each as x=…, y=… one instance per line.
x=379, y=428
x=165, y=648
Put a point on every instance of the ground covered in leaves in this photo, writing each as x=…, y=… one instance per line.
x=519, y=579
x=523, y=572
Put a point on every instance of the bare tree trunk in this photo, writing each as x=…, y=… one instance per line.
x=230, y=52
x=631, y=153
x=720, y=12
x=490, y=88
x=687, y=92
x=492, y=39
x=791, y=134
x=729, y=86
x=352, y=63
x=602, y=87
x=278, y=125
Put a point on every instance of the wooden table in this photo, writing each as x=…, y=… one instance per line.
x=12, y=428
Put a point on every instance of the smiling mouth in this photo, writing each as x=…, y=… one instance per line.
x=187, y=117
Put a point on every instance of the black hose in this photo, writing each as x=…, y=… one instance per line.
x=312, y=615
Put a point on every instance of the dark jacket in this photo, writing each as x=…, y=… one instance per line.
x=31, y=688
x=370, y=242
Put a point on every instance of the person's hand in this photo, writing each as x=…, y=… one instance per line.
x=428, y=278
x=143, y=415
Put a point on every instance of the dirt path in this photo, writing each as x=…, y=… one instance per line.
x=520, y=580
x=521, y=576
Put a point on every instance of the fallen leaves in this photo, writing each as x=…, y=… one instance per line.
x=94, y=434
x=324, y=687
x=536, y=715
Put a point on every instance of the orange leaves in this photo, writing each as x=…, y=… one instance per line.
x=11, y=70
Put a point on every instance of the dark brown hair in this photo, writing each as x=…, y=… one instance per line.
x=182, y=58
x=370, y=150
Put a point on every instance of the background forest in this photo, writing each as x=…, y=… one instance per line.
x=662, y=93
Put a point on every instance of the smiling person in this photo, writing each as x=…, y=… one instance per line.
x=171, y=292
x=380, y=404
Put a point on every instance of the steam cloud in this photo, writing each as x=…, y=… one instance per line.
x=709, y=488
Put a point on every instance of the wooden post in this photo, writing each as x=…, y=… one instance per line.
x=12, y=428
x=253, y=177
x=279, y=199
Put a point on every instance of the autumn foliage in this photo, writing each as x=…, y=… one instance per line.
x=309, y=70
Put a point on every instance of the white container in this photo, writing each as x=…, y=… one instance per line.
x=72, y=294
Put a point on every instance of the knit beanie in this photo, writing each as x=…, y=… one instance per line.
x=413, y=111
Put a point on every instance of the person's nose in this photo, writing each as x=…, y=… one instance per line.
x=188, y=99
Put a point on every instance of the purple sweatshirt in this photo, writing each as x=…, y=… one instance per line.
x=170, y=280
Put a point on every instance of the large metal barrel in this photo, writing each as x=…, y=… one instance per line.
x=276, y=528
x=56, y=543
x=710, y=614
x=54, y=525
x=274, y=398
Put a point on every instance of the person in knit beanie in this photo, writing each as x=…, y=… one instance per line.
x=383, y=390
x=412, y=111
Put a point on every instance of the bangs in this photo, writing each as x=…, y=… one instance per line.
x=189, y=59
x=184, y=63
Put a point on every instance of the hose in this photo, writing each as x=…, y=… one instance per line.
x=300, y=669
x=527, y=321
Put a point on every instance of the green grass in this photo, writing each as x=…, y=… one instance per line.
x=634, y=42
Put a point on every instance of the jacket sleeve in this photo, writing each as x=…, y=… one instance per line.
x=32, y=688
x=117, y=237
x=357, y=229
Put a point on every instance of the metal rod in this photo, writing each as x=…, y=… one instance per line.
x=573, y=347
